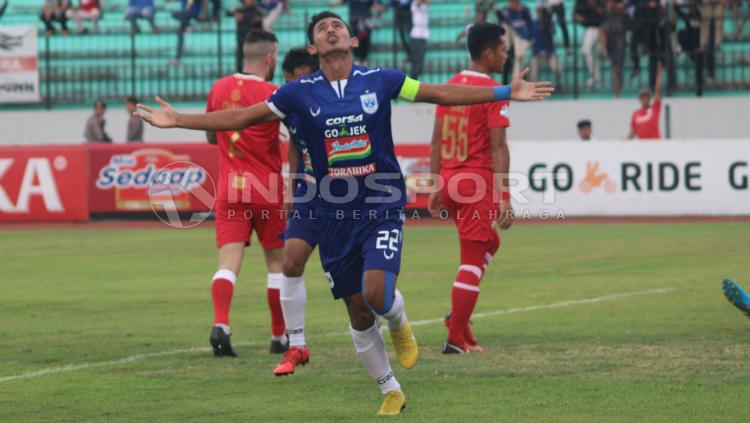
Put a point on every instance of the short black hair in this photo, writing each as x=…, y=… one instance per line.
x=319, y=17
x=483, y=36
x=131, y=100
x=258, y=35
x=100, y=102
x=297, y=57
x=584, y=123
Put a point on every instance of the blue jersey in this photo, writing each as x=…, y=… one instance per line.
x=346, y=126
x=304, y=170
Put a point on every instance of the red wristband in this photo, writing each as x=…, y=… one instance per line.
x=505, y=196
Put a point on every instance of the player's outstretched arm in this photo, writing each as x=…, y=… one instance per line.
x=463, y=95
x=224, y=120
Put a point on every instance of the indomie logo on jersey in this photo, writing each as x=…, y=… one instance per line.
x=349, y=148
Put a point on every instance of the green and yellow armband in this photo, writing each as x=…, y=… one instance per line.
x=409, y=89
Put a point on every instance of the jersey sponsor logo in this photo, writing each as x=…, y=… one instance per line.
x=343, y=120
x=352, y=170
x=348, y=148
x=369, y=103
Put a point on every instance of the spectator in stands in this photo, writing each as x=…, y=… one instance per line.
x=584, y=130
x=712, y=32
x=420, y=33
x=590, y=14
x=87, y=10
x=403, y=22
x=361, y=22
x=543, y=46
x=248, y=17
x=141, y=9
x=743, y=17
x=517, y=21
x=615, y=30
x=689, y=37
x=645, y=26
x=55, y=11
x=135, y=124
x=479, y=17
x=189, y=10
x=644, y=124
x=484, y=6
x=94, y=131
x=557, y=7
x=274, y=8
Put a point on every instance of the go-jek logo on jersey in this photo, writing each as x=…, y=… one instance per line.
x=346, y=126
x=349, y=148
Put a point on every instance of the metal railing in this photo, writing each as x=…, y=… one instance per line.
x=78, y=69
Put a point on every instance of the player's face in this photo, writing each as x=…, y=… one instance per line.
x=501, y=55
x=331, y=35
x=130, y=107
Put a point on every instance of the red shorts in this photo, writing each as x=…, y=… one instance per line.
x=235, y=222
x=474, y=209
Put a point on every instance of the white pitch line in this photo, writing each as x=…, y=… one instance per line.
x=137, y=357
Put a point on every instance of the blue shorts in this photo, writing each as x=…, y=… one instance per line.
x=301, y=222
x=349, y=247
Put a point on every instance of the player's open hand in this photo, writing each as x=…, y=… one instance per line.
x=164, y=117
x=522, y=90
x=435, y=203
x=506, y=217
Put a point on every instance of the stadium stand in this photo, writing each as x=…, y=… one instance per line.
x=115, y=63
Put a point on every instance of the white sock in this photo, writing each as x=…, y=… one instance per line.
x=371, y=350
x=293, y=299
x=396, y=316
x=274, y=280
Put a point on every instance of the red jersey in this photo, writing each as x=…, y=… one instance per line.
x=466, y=129
x=89, y=5
x=250, y=156
x=645, y=122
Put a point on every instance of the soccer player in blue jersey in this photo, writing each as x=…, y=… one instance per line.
x=301, y=235
x=344, y=114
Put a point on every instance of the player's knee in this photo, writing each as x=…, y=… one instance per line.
x=293, y=268
x=360, y=316
x=374, y=298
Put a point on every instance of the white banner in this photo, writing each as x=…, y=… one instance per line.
x=630, y=178
x=19, y=64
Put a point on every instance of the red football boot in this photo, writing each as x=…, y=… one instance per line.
x=292, y=358
x=468, y=334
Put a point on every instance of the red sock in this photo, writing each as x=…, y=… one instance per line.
x=492, y=248
x=222, y=289
x=273, y=294
x=466, y=288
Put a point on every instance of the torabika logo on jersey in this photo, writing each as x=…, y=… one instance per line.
x=348, y=148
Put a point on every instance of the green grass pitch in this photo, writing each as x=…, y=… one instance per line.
x=562, y=344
